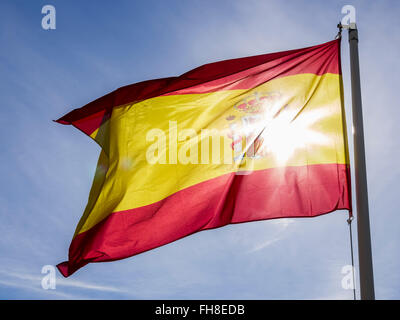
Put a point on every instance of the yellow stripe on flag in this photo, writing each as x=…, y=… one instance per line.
x=308, y=122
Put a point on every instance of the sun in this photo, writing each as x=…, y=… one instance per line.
x=287, y=130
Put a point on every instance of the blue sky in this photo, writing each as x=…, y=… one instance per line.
x=47, y=168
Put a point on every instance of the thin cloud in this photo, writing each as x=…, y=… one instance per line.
x=265, y=244
x=283, y=224
x=34, y=280
x=24, y=286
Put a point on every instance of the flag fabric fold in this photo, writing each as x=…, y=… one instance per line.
x=234, y=141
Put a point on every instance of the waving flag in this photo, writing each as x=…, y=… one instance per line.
x=240, y=140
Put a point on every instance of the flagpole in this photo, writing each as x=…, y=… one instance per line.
x=363, y=226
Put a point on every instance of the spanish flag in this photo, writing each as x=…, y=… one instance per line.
x=240, y=140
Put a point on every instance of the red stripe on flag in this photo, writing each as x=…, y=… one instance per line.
x=287, y=192
x=242, y=73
